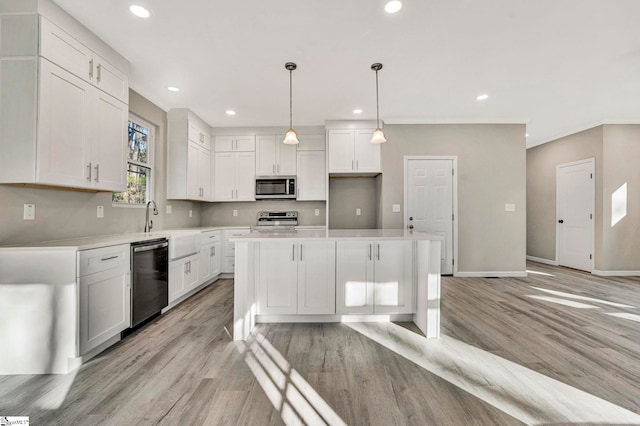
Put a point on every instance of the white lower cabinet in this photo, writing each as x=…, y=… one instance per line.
x=210, y=265
x=296, y=278
x=183, y=276
x=374, y=277
x=229, y=249
x=104, y=295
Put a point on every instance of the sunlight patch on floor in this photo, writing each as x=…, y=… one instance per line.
x=529, y=271
x=291, y=395
x=632, y=317
x=563, y=302
x=531, y=397
x=588, y=299
x=52, y=397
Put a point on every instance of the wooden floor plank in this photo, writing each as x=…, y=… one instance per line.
x=558, y=326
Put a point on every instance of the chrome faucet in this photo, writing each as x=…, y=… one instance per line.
x=148, y=224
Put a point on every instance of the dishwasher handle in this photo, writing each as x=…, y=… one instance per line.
x=151, y=247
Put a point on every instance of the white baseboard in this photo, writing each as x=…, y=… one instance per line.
x=616, y=273
x=543, y=260
x=490, y=274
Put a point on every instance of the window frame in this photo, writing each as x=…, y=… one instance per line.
x=151, y=152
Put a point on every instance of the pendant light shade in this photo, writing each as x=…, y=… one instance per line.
x=291, y=138
x=378, y=134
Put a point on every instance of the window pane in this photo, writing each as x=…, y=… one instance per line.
x=138, y=142
x=138, y=180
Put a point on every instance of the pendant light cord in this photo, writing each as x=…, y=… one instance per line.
x=377, y=103
x=290, y=100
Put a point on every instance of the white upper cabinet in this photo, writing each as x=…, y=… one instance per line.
x=189, y=161
x=64, y=102
x=235, y=143
x=312, y=143
x=66, y=51
x=312, y=176
x=234, y=176
x=350, y=151
x=273, y=158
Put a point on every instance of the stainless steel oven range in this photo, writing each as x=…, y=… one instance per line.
x=277, y=221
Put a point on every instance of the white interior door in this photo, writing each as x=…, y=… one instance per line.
x=429, y=202
x=575, y=194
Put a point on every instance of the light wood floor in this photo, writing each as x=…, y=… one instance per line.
x=562, y=348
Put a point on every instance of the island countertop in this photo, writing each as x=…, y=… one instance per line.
x=337, y=234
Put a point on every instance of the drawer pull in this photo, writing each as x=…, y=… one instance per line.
x=104, y=259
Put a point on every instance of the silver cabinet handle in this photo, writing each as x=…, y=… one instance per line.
x=352, y=165
x=378, y=251
x=357, y=165
x=232, y=193
x=278, y=168
x=90, y=69
x=369, y=251
x=104, y=259
x=185, y=268
x=97, y=172
x=89, y=167
x=273, y=168
x=98, y=77
x=300, y=252
x=236, y=193
x=293, y=252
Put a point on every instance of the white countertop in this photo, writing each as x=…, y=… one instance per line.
x=338, y=234
x=87, y=243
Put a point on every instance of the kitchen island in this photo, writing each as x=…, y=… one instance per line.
x=337, y=276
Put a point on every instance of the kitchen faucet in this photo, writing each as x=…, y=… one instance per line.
x=148, y=222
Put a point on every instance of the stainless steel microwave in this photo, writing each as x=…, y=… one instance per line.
x=276, y=187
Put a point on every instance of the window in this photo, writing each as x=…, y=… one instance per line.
x=139, y=164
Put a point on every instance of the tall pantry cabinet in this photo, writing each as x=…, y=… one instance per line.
x=64, y=98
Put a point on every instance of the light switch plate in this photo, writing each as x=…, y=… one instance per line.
x=509, y=207
x=395, y=208
x=168, y=209
x=29, y=212
x=100, y=212
x=317, y=212
x=235, y=213
x=358, y=212
x=190, y=213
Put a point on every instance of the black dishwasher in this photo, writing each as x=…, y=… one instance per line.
x=149, y=279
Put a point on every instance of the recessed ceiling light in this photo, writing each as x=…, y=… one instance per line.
x=139, y=11
x=230, y=112
x=173, y=89
x=357, y=111
x=393, y=6
x=482, y=97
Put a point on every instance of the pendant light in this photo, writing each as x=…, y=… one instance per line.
x=378, y=135
x=291, y=138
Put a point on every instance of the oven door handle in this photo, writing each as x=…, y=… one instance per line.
x=152, y=247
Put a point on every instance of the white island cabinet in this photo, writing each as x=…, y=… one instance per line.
x=296, y=278
x=334, y=276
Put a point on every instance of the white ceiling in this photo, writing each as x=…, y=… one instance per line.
x=558, y=66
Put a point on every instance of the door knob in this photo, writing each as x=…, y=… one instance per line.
x=410, y=226
x=561, y=221
x=410, y=217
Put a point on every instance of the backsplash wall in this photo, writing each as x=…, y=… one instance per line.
x=221, y=214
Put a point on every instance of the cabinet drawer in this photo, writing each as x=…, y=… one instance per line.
x=229, y=233
x=210, y=237
x=229, y=265
x=102, y=259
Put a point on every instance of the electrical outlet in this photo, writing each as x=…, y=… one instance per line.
x=168, y=209
x=358, y=212
x=317, y=212
x=190, y=213
x=395, y=208
x=235, y=213
x=100, y=212
x=509, y=207
x=29, y=212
